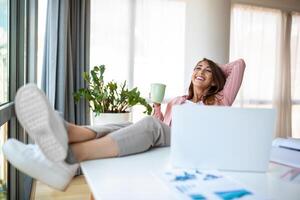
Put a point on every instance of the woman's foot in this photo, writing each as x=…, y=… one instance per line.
x=30, y=160
x=41, y=122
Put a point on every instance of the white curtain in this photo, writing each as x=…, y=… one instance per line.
x=141, y=42
x=110, y=33
x=253, y=37
x=262, y=36
x=159, y=45
x=282, y=86
x=295, y=74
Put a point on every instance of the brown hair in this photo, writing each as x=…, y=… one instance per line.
x=218, y=78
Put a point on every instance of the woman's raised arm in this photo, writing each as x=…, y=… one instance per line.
x=234, y=72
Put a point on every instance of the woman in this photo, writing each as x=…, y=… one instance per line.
x=61, y=146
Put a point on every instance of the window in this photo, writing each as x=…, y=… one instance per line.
x=141, y=42
x=3, y=164
x=4, y=89
x=42, y=11
x=159, y=46
x=295, y=74
x=253, y=37
x=16, y=67
x=4, y=70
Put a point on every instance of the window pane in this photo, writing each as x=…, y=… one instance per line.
x=296, y=121
x=159, y=45
x=4, y=70
x=253, y=37
x=3, y=163
x=110, y=37
x=42, y=12
x=295, y=58
x=141, y=42
x=295, y=74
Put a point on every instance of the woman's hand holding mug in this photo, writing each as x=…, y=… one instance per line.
x=157, y=93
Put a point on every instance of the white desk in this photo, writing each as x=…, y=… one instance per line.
x=132, y=177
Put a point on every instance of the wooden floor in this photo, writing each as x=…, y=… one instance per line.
x=77, y=190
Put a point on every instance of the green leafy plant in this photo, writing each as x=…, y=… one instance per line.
x=109, y=97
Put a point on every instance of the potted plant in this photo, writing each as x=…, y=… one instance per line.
x=110, y=102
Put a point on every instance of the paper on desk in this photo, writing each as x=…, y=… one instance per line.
x=200, y=185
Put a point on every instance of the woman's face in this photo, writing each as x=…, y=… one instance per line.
x=202, y=75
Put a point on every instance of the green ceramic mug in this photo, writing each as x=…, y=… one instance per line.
x=157, y=92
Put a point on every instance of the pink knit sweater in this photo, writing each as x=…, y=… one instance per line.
x=233, y=71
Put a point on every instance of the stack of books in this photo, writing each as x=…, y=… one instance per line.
x=286, y=151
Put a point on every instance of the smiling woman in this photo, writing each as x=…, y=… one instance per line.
x=76, y=143
x=207, y=79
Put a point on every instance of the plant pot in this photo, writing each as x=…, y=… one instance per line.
x=108, y=118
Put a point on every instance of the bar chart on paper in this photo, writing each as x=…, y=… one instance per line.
x=199, y=185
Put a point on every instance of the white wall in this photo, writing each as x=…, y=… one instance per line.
x=207, y=32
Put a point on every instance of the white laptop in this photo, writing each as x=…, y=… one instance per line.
x=219, y=137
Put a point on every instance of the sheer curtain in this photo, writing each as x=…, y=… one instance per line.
x=141, y=42
x=282, y=85
x=253, y=38
x=268, y=40
x=159, y=47
x=110, y=33
x=295, y=74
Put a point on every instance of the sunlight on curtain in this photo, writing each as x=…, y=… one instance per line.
x=110, y=33
x=295, y=74
x=141, y=42
x=253, y=38
x=159, y=45
x=258, y=35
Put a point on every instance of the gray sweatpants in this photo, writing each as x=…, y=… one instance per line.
x=138, y=137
